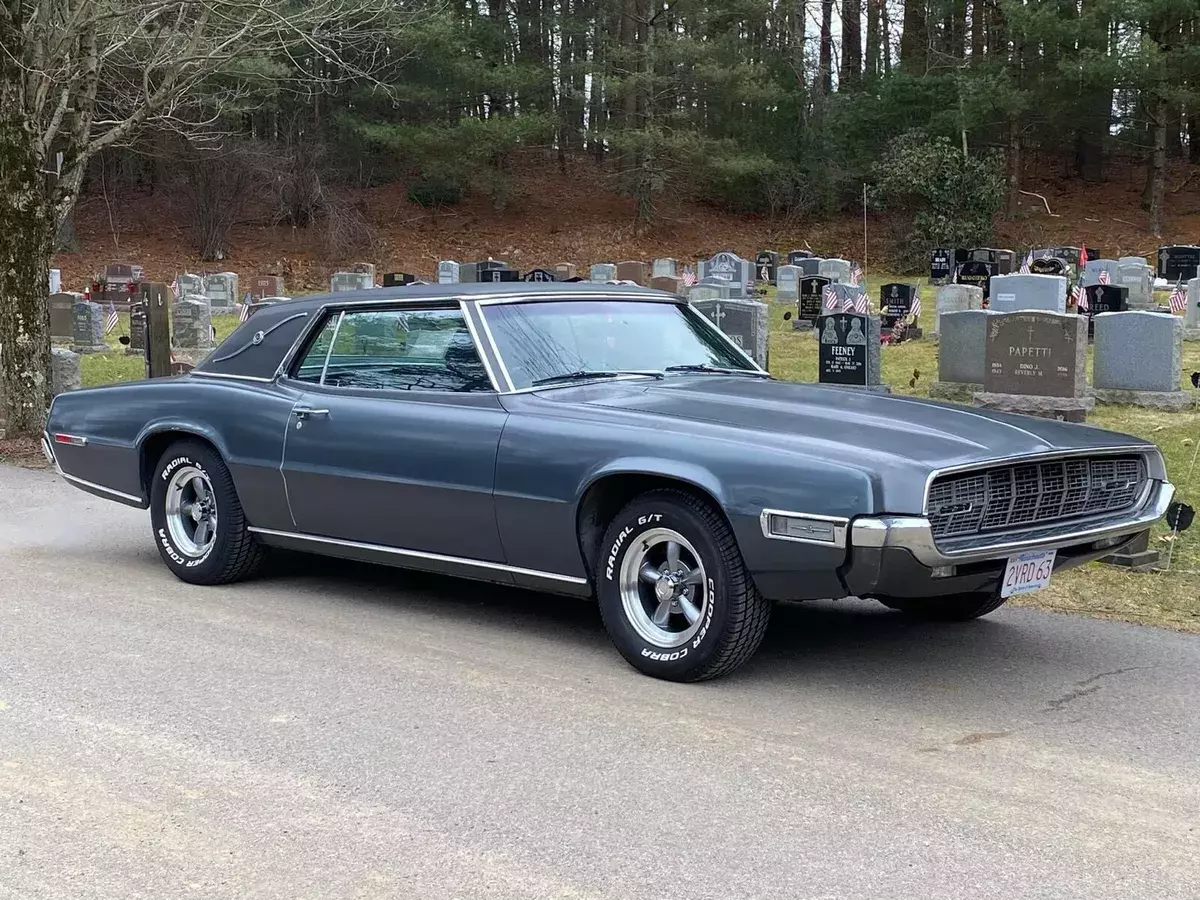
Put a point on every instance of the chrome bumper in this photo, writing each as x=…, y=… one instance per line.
x=914, y=534
x=48, y=451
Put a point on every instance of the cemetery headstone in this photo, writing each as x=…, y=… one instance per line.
x=499, y=275
x=1134, y=273
x=1035, y=363
x=265, y=286
x=1093, y=268
x=120, y=274
x=795, y=256
x=364, y=268
x=1010, y=293
x=602, y=273
x=895, y=304
x=350, y=281
x=222, y=289
x=473, y=272
x=447, y=272
x=1191, y=312
x=848, y=353
x=1048, y=265
x=730, y=268
x=835, y=269
x=137, y=329
x=955, y=297
x=848, y=296
x=810, y=305
x=87, y=325
x=187, y=284
x=154, y=300
x=398, y=279
x=672, y=284
x=699, y=293
x=55, y=281
x=766, y=264
x=787, y=280
x=1177, y=263
x=941, y=265
x=633, y=270
x=191, y=324
x=1138, y=359
x=1000, y=261
x=810, y=265
x=664, y=268
x=65, y=371
x=62, y=316
x=961, y=255
x=539, y=276
x=961, y=346
x=745, y=322
x=976, y=274
x=565, y=271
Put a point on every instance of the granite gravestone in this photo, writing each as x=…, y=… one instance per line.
x=1138, y=358
x=62, y=319
x=835, y=270
x=634, y=271
x=731, y=268
x=810, y=265
x=1035, y=363
x=87, y=326
x=1103, y=298
x=976, y=274
x=1001, y=262
x=787, y=280
x=847, y=296
x=498, y=275
x=137, y=329
x=1048, y=265
x=1178, y=263
x=118, y=275
x=222, y=290
x=191, y=324
x=664, y=268
x=794, y=257
x=961, y=346
x=350, y=281
x=565, y=271
x=539, y=276
x=672, y=284
x=941, y=265
x=55, y=284
x=265, y=286
x=65, y=371
x=398, y=279
x=188, y=284
x=448, y=271
x=698, y=293
x=895, y=304
x=745, y=322
x=1093, y=268
x=602, y=273
x=1134, y=273
x=956, y=297
x=1191, y=311
x=1010, y=293
x=476, y=271
x=766, y=265
x=848, y=350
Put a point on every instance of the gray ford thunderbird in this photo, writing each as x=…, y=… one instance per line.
x=595, y=440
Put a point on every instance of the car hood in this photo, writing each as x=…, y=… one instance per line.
x=850, y=424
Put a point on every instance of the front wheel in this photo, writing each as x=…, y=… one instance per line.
x=197, y=518
x=674, y=592
x=951, y=608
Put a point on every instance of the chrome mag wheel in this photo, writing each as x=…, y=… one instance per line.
x=663, y=586
x=191, y=512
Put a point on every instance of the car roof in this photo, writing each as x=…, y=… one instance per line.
x=257, y=347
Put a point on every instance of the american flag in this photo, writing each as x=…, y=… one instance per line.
x=1178, y=299
x=1103, y=277
x=1028, y=264
x=111, y=322
x=1078, y=294
x=689, y=278
x=862, y=304
x=829, y=298
x=856, y=274
x=915, y=310
x=243, y=312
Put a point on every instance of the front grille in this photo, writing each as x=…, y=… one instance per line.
x=1005, y=498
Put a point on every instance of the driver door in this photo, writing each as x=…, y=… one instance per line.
x=394, y=439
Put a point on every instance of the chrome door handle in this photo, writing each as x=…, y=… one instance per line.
x=304, y=412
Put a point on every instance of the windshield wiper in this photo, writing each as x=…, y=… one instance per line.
x=584, y=374
x=716, y=370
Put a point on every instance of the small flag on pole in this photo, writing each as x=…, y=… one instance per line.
x=1104, y=277
x=243, y=312
x=829, y=298
x=1028, y=264
x=111, y=321
x=1078, y=294
x=856, y=274
x=862, y=304
x=689, y=278
x=1178, y=299
x=914, y=311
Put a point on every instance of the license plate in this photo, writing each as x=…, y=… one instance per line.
x=1027, y=572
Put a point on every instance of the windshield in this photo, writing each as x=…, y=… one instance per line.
x=546, y=340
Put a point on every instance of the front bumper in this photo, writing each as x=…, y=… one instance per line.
x=897, y=556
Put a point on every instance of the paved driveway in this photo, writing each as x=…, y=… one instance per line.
x=337, y=731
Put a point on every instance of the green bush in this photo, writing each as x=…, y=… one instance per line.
x=431, y=190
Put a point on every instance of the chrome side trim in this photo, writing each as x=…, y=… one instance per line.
x=223, y=375
x=332, y=340
x=468, y=315
x=99, y=487
x=840, y=527
x=913, y=533
x=1140, y=449
x=419, y=554
x=509, y=385
x=48, y=451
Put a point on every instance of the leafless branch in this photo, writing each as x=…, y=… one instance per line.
x=1044, y=200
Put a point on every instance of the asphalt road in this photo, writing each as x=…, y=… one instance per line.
x=339, y=731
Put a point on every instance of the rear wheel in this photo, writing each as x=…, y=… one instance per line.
x=951, y=608
x=197, y=518
x=674, y=592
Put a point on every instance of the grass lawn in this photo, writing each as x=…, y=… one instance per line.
x=1170, y=598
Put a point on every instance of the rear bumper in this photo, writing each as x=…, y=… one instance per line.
x=896, y=556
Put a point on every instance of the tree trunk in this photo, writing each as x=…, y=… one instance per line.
x=1014, y=166
x=1156, y=177
x=914, y=39
x=826, y=58
x=27, y=223
x=851, y=68
x=978, y=30
x=872, y=71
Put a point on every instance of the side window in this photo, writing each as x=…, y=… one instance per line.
x=313, y=363
x=400, y=350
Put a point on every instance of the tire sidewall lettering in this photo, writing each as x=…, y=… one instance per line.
x=161, y=532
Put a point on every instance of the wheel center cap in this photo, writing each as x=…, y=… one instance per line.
x=664, y=589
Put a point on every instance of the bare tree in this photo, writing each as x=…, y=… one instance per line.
x=77, y=76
